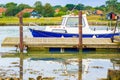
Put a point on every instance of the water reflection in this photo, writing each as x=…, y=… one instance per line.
x=61, y=69
x=116, y=63
x=96, y=69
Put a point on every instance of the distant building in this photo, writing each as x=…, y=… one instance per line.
x=111, y=16
x=2, y=11
x=57, y=10
x=33, y=13
x=98, y=12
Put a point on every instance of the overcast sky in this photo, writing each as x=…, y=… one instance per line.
x=58, y=2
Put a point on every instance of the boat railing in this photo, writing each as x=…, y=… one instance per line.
x=36, y=26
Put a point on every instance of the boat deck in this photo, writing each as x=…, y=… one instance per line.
x=61, y=42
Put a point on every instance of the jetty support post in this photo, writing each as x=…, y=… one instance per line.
x=80, y=30
x=21, y=45
x=80, y=46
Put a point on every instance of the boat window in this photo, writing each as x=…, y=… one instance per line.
x=73, y=22
x=59, y=30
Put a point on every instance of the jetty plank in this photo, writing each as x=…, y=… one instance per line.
x=60, y=42
x=117, y=38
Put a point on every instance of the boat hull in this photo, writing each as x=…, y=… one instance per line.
x=40, y=33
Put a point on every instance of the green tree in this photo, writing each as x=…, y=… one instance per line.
x=80, y=7
x=118, y=7
x=48, y=10
x=2, y=5
x=64, y=9
x=59, y=14
x=38, y=7
x=70, y=6
x=111, y=5
x=22, y=6
x=88, y=7
x=11, y=9
x=26, y=15
x=76, y=12
x=57, y=6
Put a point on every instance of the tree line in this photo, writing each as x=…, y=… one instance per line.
x=48, y=10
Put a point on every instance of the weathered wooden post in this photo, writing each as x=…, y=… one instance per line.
x=21, y=45
x=80, y=30
x=80, y=69
x=80, y=46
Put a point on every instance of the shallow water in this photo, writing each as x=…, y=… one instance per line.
x=93, y=69
x=11, y=31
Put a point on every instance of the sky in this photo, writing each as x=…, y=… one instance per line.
x=93, y=3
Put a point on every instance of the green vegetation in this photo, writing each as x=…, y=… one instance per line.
x=26, y=15
x=48, y=10
x=40, y=21
x=65, y=55
x=100, y=53
x=92, y=19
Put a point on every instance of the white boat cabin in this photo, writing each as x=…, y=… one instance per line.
x=70, y=25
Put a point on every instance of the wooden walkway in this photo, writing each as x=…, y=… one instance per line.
x=117, y=38
x=61, y=42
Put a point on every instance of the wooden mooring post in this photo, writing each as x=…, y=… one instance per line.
x=80, y=46
x=80, y=30
x=21, y=46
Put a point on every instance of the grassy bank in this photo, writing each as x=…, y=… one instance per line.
x=26, y=21
x=100, y=20
x=93, y=20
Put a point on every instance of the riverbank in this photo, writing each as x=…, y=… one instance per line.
x=57, y=23
x=14, y=21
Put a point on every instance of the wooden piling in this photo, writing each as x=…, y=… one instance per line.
x=39, y=78
x=21, y=46
x=21, y=32
x=80, y=46
x=31, y=79
x=80, y=30
x=80, y=69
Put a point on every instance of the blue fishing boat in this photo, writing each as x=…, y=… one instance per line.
x=69, y=28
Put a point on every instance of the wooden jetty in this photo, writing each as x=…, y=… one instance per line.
x=61, y=42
